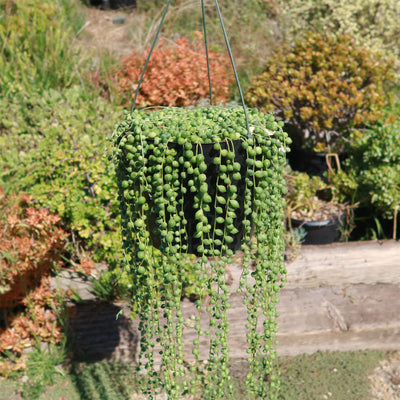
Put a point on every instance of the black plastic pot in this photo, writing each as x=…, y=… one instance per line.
x=320, y=232
x=113, y=4
x=314, y=164
x=211, y=173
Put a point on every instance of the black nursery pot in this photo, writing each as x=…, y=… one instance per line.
x=311, y=162
x=113, y=4
x=189, y=210
x=321, y=232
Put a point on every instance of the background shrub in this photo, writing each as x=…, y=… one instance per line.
x=31, y=247
x=323, y=87
x=372, y=23
x=374, y=165
x=251, y=44
x=175, y=76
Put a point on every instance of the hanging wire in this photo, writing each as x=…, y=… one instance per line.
x=206, y=45
x=207, y=56
x=149, y=55
x=233, y=67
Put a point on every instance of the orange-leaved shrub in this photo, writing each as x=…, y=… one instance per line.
x=31, y=247
x=176, y=75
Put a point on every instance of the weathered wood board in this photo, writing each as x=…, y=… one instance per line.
x=344, y=296
x=368, y=262
x=342, y=318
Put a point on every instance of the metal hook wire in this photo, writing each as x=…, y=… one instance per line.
x=149, y=55
x=207, y=56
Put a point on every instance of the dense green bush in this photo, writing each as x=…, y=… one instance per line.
x=323, y=87
x=373, y=177
x=373, y=23
x=37, y=48
x=53, y=148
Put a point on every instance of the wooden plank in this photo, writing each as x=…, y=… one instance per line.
x=351, y=317
x=321, y=318
x=332, y=318
x=366, y=262
x=344, y=296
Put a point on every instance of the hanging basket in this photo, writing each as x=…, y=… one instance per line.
x=204, y=181
x=219, y=171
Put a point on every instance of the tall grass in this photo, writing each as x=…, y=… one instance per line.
x=36, y=50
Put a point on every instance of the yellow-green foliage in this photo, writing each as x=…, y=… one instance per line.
x=373, y=23
x=322, y=87
x=53, y=147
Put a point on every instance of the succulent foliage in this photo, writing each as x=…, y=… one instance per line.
x=192, y=181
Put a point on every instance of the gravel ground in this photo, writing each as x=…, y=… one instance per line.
x=385, y=381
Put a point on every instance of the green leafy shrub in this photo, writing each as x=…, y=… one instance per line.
x=175, y=76
x=372, y=23
x=53, y=148
x=374, y=164
x=323, y=87
x=37, y=44
x=370, y=180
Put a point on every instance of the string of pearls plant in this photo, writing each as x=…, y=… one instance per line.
x=193, y=181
